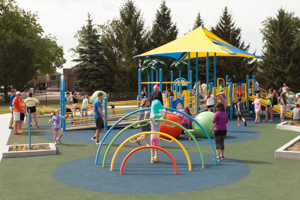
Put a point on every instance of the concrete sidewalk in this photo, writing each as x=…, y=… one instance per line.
x=4, y=132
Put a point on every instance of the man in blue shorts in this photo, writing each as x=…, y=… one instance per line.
x=99, y=117
x=12, y=96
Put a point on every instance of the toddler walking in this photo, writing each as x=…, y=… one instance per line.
x=157, y=111
x=56, y=125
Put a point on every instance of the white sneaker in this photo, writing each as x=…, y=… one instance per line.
x=55, y=142
x=93, y=139
x=98, y=143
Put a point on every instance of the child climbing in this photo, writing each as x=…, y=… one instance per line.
x=56, y=125
x=157, y=111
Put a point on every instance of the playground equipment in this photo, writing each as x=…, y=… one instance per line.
x=134, y=125
x=148, y=147
x=167, y=128
x=203, y=118
x=148, y=133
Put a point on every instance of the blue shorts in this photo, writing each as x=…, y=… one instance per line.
x=270, y=106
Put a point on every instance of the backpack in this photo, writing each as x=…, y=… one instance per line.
x=275, y=102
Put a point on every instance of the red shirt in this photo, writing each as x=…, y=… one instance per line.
x=16, y=101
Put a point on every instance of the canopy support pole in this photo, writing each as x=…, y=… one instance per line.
x=140, y=85
x=152, y=77
x=172, y=85
x=189, y=68
x=215, y=70
x=197, y=70
x=207, y=70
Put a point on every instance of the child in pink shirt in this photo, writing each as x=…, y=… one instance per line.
x=185, y=120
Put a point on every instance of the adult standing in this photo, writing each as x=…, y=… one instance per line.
x=156, y=94
x=283, y=104
x=31, y=104
x=220, y=119
x=75, y=101
x=12, y=96
x=269, y=108
x=16, y=113
x=99, y=117
x=200, y=88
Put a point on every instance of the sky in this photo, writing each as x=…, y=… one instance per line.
x=62, y=18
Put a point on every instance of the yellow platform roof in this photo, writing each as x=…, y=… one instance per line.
x=199, y=40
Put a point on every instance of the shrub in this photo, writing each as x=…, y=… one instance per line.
x=44, y=110
x=292, y=123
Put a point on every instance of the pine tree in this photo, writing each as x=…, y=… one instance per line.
x=281, y=49
x=198, y=22
x=227, y=30
x=90, y=68
x=124, y=38
x=163, y=29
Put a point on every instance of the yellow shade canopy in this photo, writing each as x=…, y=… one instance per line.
x=195, y=41
x=201, y=41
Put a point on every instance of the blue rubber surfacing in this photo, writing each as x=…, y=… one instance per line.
x=142, y=177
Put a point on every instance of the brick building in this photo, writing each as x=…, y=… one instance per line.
x=52, y=82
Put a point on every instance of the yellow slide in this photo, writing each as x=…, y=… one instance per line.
x=275, y=108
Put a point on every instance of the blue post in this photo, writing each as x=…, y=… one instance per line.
x=180, y=81
x=29, y=129
x=182, y=98
x=247, y=92
x=253, y=90
x=226, y=80
x=152, y=74
x=197, y=98
x=171, y=101
x=62, y=101
x=105, y=112
x=190, y=89
x=172, y=85
x=207, y=70
x=215, y=70
x=197, y=70
x=211, y=85
x=188, y=71
x=139, y=85
x=176, y=88
x=231, y=106
x=148, y=86
x=160, y=80
x=156, y=75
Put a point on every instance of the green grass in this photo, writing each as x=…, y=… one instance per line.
x=269, y=178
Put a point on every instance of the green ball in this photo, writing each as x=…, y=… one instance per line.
x=204, y=119
x=94, y=96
